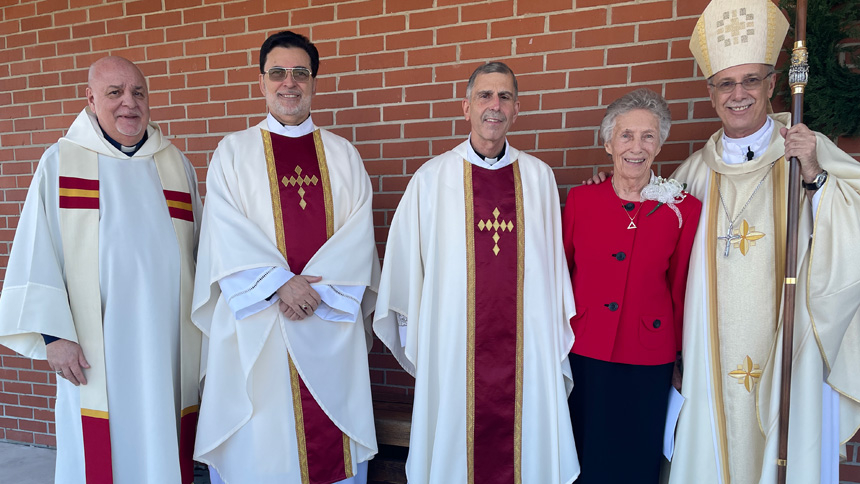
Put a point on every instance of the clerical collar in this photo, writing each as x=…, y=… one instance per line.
x=275, y=126
x=737, y=150
x=126, y=150
x=477, y=159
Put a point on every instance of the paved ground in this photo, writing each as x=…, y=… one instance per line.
x=23, y=464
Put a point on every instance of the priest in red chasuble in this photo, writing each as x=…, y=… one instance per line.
x=286, y=279
x=99, y=283
x=475, y=274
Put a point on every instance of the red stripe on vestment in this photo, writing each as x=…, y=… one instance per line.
x=97, y=453
x=187, y=432
x=181, y=213
x=79, y=202
x=78, y=183
x=183, y=197
x=495, y=331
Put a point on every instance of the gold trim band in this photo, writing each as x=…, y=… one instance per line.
x=470, y=321
x=791, y=280
x=88, y=412
x=79, y=192
x=781, y=462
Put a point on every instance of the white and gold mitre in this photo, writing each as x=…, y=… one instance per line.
x=734, y=32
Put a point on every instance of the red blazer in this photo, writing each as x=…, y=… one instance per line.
x=628, y=284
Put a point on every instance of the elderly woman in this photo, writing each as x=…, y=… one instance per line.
x=628, y=245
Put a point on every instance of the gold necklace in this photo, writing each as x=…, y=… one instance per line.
x=626, y=212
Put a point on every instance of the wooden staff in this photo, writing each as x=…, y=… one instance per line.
x=797, y=77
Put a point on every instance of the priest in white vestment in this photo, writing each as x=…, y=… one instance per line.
x=99, y=283
x=285, y=286
x=732, y=346
x=475, y=272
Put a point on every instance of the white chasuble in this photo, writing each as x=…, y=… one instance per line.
x=727, y=431
x=136, y=274
x=249, y=419
x=426, y=279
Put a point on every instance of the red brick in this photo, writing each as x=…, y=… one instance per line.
x=336, y=100
x=222, y=27
x=379, y=96
x=405, y=149
x=16, y=361
x=54, y=35
x=48, y=6
x=400, y=378
x=187, y=64
x=313, y=15
x=598, y=77
x=243, y=9
x=46, y=440
x=361, y=45
x=686, y=90
x=405, y=77
x=430, y=129
x=19, y=412
x=603, y=36
x=406, y=111
x=409, y=40
x=517, y=26
x=461, y=33
x=377, y=132
x=486, y=50
x=641, y=12
x=637, y=54
x=369, y=8
x=543, y=6
x=565, y=139
x=384, y=60
x=32, y=376
x=359, y=81
x=358, y=116
x=244, y=42
x=381, y=25
x=335, y=30
x=435, y=18
x=540, y=82
x=670, y=29
x=484, y=11
x=108, y=42
x=104, y=12
x=432, y=56
x=568, y=99
x=538, y=121
x=681, y=50
x=609, y=94
x=406, y=5
x=33, y=426
x=692, y=7
x=544, y=43
x=662, y=70
x=141, y=7
x=18, y=436
x=36, y=23
x=584, y=118
x=145, y=37
x=43, y=390
x=429, y=93
x=72, y=17
x=19, y=11
x=285, y=5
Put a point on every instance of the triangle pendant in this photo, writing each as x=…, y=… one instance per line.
x=631, y=226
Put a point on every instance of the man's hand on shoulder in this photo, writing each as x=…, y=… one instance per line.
x=67, y=359
x=298, y=299
x=800, y=142
x=597, y=179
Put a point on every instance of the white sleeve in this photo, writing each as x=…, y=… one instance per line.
x=815, y=199
x=249, y=292
x=340, y=304
x=401, y=328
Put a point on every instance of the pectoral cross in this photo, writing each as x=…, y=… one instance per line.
x=729, y=238
x=496, y=226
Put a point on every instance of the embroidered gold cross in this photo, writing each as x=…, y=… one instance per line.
x=745, y=237
x=747, y=373
x=306, y=180
x=496, y=225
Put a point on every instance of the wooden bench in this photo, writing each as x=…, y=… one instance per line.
x=393, y=424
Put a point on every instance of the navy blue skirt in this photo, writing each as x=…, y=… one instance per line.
x=618, y=413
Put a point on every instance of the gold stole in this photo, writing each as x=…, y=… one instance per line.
x=745, y=308
x=79, y=228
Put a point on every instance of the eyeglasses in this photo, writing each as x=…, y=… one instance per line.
x=749, y=84
x=279, y=74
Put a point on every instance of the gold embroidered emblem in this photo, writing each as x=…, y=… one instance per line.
x=735, y=27
x=496, y=225
x=300, y=180
x=745, y=237
x=747, y=373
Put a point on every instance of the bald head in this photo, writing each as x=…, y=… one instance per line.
x=117, y=94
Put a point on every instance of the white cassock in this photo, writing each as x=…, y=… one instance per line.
x=425, y=283
x=727, y=430
x=247, y=427
x=139, y=262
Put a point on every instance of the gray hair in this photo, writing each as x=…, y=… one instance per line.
x=489, y=68
x=639, y=99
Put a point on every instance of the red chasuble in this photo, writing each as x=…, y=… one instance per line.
x=301, y=198
x=495, y=241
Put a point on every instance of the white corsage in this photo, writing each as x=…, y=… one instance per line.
x=664, y=191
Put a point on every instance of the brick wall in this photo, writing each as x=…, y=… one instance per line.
x=391, y=79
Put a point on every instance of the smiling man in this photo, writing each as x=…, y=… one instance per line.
x=285, y=282
x=99, y=283
x=476, y=276
x=732, y=343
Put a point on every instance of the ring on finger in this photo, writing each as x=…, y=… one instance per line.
x=305, y=307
